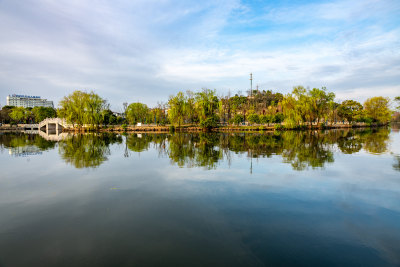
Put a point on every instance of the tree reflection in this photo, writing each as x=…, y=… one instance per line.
x=23, y=141
x=193, y=150
x=349, y=142
x=87, y=151
x=375, y=140
x=396, y=165
x=301, y=149
x=139, y=142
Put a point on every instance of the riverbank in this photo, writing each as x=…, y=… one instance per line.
x=228, y=128
x=194, y=128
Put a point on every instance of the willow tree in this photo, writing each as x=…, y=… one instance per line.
x=320, y=102
x=290, y=111
x=72, y=108
x=207, y=105
x=177, y=108
x=94, y=108
x=190, y=107
x=303, y=105
x=82, y=108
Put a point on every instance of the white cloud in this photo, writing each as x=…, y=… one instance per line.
x=147, y=50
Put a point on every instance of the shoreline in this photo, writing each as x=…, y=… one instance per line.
x=191, y=128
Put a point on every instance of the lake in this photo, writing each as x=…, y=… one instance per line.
x=313, y=198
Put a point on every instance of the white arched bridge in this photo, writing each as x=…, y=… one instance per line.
x=52, y=125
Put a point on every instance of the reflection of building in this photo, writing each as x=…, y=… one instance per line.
x=23, y=151
x=28, y=101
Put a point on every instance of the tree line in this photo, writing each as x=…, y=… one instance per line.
x=301, y=107
x=14, y=115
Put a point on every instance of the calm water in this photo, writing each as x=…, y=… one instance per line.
x=296, y=198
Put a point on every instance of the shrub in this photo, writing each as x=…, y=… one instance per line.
x=124, y=126
x=278, y=118
x=253, y=118
x=210, y=122
x=238, y=119
x=265, y=119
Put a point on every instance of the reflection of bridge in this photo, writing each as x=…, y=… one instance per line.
x=29, y=126
x=57, y=136
x=52, y=136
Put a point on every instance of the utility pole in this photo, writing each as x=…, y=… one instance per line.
x=251, y=84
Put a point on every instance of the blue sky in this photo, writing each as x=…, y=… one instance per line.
x=147, y=50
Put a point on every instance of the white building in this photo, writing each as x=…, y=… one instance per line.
x=28, y=101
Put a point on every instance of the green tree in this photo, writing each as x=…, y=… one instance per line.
x=377, y=108
x=108, y=117
x=137, y=112
x=190, y=107
x=253, y=118
x=41, y=113
x=238, y=118
x=265, y=119
x=72, y=108
x=278, y=118
x=94, y=108
x=320, y=100
x=291, y=111
x=207, y=105
x=397, y=100
x=82, y=108
x=5, y=114
x=177, y=108
x=19, y=114
x=350, y=110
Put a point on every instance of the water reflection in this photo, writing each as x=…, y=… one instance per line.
x=145, y=210
x=396, y=165
x=301, y=149
x=87, y=151
x=21, y=144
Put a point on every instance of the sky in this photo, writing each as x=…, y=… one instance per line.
x=145, y=50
